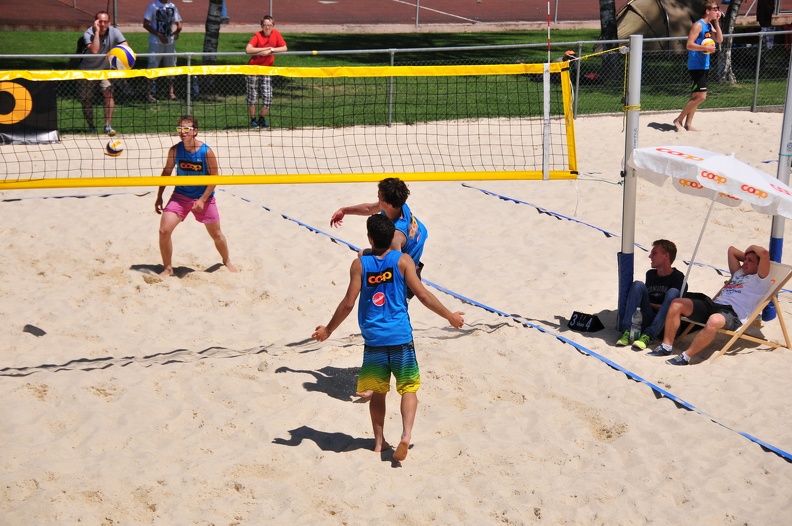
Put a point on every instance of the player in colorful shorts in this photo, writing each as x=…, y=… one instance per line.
x=379, y=279
x=190, y=157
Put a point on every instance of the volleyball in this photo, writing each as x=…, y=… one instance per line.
x=121, y=57
x=114, y=148
x=707, y=42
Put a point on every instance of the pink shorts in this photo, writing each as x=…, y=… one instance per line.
x=181, y=205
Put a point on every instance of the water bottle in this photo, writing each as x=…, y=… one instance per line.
x=635, y=328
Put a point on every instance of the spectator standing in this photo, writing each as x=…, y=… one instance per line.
x=100, y=38
x=262, y=46
x=163, y=22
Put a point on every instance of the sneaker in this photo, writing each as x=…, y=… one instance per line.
x=660, y=351
x=254, y=123
x=109, y=131
x=624, y=340
x=678, y=360
x=91, y=130
x=264, y=123
x=225, y=20
x=151, y=98
x=642, y=342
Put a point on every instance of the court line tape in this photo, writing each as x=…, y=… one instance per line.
x=580, y=348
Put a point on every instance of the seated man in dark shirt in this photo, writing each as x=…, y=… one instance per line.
x=663, y=283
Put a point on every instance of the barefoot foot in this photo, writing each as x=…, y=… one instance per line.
x=401, y=451
x=230, y=266
x=691, y=128
x=678, y=126
x=167, y=272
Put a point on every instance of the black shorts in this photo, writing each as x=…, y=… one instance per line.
x=704, y=307
x=699, y=78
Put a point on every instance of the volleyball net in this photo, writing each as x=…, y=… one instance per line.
x=336, y=124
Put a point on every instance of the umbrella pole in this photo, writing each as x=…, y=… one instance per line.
x=695, y=250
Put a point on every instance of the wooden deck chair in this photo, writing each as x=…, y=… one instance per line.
x=779, y=274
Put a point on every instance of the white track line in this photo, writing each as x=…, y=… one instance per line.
x=436, y=11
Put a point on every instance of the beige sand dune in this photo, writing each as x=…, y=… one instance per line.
x=202, y=399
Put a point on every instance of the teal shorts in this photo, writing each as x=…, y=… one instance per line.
x=380, y=362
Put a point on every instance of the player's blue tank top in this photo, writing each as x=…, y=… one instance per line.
x=697, y=59
x=382, y=312
x=188, y=163
x=414, y=231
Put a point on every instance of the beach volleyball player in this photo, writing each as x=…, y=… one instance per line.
x=700, y=45
x=379, y=278
x=190, y=157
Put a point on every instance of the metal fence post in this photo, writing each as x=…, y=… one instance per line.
x=756, y=75
x=189, y=86
x=390, y=91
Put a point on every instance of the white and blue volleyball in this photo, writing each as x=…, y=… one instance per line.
x=114, y=148
x=121, y=57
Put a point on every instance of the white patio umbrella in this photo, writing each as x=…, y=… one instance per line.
x=714, y=176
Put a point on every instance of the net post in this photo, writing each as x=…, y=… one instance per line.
x=546, y=124
x=630, y=178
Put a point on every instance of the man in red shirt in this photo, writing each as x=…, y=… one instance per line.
x=262, y=46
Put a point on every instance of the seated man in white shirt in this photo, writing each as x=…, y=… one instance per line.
x=730, y=309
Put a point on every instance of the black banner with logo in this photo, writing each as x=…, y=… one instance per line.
x=28, y=112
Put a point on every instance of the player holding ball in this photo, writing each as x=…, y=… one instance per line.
x=700, y=44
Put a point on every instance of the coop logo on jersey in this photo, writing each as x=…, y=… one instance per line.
x=413, y=227
x=378, y=299
x=374, y=279
x=191, y=166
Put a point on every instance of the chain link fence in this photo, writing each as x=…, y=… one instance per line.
x=748, y=72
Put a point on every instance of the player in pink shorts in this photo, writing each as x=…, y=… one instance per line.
x=181, y=205
x=190, y=157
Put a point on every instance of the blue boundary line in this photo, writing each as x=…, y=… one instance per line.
x=588, y=352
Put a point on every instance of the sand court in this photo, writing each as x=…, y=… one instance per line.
x=202, y=399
